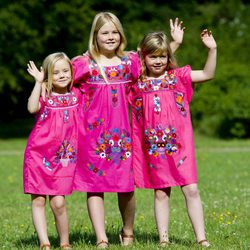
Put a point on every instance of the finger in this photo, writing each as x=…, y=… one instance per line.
x=176, y=21
x=171, y=24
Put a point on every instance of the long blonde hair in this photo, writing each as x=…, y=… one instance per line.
x=99, y=20
x=155, y=43
x=48, y=68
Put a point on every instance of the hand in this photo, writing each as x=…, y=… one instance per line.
x=208, y=39
x=177, y=31
x=33, y=71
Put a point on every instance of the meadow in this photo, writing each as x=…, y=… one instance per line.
x=223, y=170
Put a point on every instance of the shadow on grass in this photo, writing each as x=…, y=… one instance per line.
x=82, y=239
x=16, y=128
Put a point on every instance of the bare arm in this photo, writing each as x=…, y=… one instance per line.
x=33, y=102
x=209, y=69
x=177, y=32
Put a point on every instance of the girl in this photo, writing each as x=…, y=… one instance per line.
x=162, y=130
x=104, y=165
x=50, y=155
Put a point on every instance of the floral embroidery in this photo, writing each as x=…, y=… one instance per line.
x=65, y=116
x=114, y=96
x=47, y=164
x=62, y=100
x=114, y=145
x=65, y=154
x=180, y=103
x=161, y=141
x=167, y=83
x=88, y=97
x=157, y=104
x=96, y=124
x=114, y=73
x=180, y=162
x=44, y=115
x=138, y=108
x=96, y=170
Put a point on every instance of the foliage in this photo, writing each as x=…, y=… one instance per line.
x=31, y=29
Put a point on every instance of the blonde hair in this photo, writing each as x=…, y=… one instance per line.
x=99, y=20
x=155, y=43
x=48, y=68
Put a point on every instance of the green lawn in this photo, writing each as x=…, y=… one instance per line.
x=223, y=182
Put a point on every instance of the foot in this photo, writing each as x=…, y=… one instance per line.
x=66, y=246
x=164, y=243
x=102, y=244
x=204, y=243
x=125, y=239
x=45, y=246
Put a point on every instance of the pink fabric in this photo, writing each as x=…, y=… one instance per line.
x=104, y=163
x=51, y=152
x=163, y=146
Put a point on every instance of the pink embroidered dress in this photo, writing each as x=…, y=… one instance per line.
x=51, y=152
x=163, y=146
x=104, y=133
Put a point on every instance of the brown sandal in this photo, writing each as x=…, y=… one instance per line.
x=66, y=246
x=204, y=245
x=102, y=244
x=125, y=239
x=45, y=246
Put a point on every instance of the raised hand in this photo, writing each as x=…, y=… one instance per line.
x=33, y=71
x=208, y=39
x=177, y=31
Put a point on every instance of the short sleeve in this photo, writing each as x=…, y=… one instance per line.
x=135, y=65
x=184, y=75
x=80, y=69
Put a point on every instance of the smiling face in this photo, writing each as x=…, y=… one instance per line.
x=61, y=76
x=156, y=64
x=108, y=39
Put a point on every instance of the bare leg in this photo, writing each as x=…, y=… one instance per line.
x=126, y=202
x=161, y=202
x=39, y=218
x=195, y=211
x=97, y=216
x=58, y=206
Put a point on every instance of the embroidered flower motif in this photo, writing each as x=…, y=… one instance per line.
x=138, y=108
x=62, y=100
x=65, y=154
x=167, y=83
x=114, y=73
x=180, y=103
x=116, y=144
x=95, y=124
x=96, y=170
x=161, y=141
x=157, y=104
x=44, y=115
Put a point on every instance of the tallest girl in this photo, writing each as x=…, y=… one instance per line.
x=104, y=75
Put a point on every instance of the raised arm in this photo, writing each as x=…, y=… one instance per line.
x=33, y=102
x=177, y=32
x=209, y=69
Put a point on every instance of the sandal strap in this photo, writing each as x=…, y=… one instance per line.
x=102, y=242
x=131, y=236
x=43, y=246
x=202, y=241
x=66, y=246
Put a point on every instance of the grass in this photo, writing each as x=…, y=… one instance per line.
x=223, y=168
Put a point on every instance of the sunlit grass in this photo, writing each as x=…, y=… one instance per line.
x=223, y=170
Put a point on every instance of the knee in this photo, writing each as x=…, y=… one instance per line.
x=192, y=192
x=39, y=201
x=160, y=194
x=58, y=205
